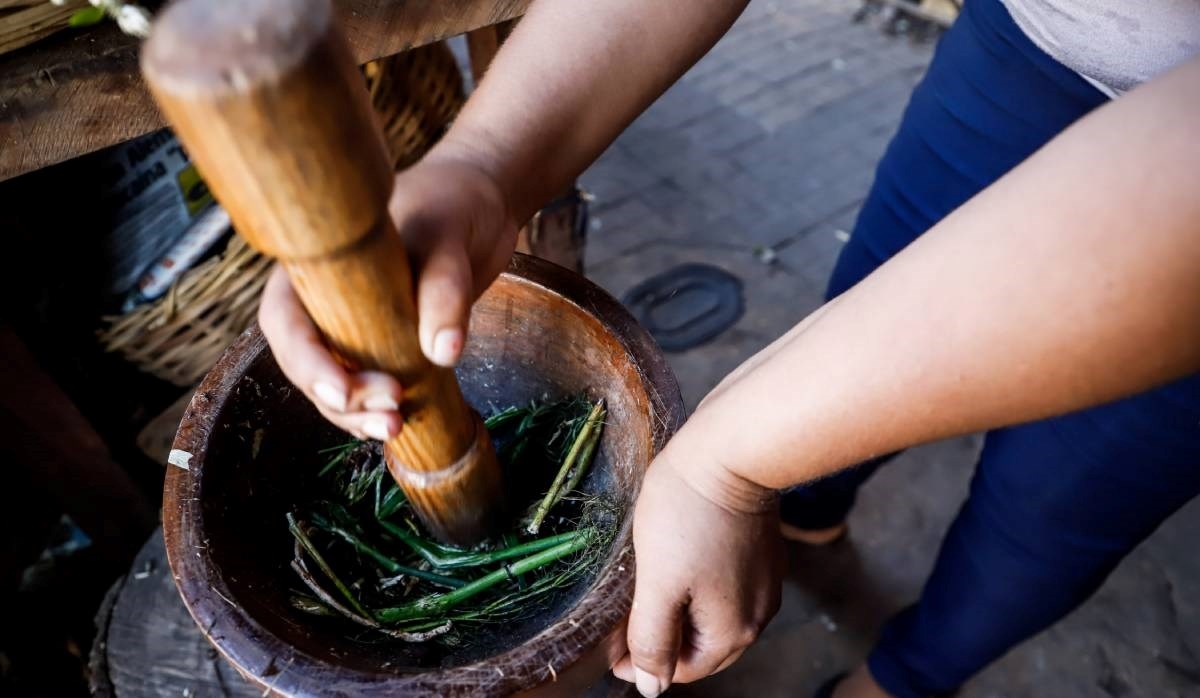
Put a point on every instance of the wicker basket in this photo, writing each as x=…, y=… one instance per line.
x=416, y=94
x=180, y=336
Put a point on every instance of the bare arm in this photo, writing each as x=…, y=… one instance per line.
x=570, y=78
x=1072, y=281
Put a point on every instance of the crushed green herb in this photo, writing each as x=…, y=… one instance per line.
x=379, y=569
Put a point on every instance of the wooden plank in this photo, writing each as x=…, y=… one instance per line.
x=23, y=22
x=382, y=27
x=77, y=92
x=69, y=95
x=483, y=44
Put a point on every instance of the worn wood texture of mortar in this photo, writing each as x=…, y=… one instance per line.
x=538, y=331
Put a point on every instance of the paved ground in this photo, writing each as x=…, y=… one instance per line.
x=757, y=162
x=770, y=142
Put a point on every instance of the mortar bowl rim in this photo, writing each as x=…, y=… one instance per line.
x=276, y=665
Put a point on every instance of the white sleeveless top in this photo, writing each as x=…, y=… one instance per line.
x=1114, y=44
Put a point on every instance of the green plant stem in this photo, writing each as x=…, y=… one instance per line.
x=439, y=603
x=504, y=417
x=425, y=625
x=391, y=503
x=301, y=537
x=584, y=461
x=339, y=447
x=394, y=567
x=431, y=552
x=309, y=605
x=449, y=560
x=343, y=450
x=362, y=480
x=553, y=494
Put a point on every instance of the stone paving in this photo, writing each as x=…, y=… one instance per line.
x=757, y=162
x=769, y=143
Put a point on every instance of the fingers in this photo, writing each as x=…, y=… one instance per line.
x=365, y=404
x=374, y=391
x=722, y=631
x=453, y=219
x=715, y=646
x=655, y=632
x=693, y=663
x=444, y=294
x=729, y=661
x=366, y=425
x=298, y=347
x=623, y=669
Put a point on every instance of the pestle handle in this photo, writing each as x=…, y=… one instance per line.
x=266, y=98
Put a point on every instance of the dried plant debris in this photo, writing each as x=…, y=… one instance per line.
x=362, y=554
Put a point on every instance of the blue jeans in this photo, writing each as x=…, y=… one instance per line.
x=1054, y=505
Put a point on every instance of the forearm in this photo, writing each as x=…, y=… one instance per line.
x=569, y=79
x=1072, y=281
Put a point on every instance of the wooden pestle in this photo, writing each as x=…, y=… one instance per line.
x=266, y=98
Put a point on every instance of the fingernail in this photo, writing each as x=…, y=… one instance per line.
x=380, y=403
x=333, y=398
x=647, y=683
x=446, y=345
x=376, y=428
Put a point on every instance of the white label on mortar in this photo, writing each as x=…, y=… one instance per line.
x=180, y=458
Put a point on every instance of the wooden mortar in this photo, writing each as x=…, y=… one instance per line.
x=248, y=438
